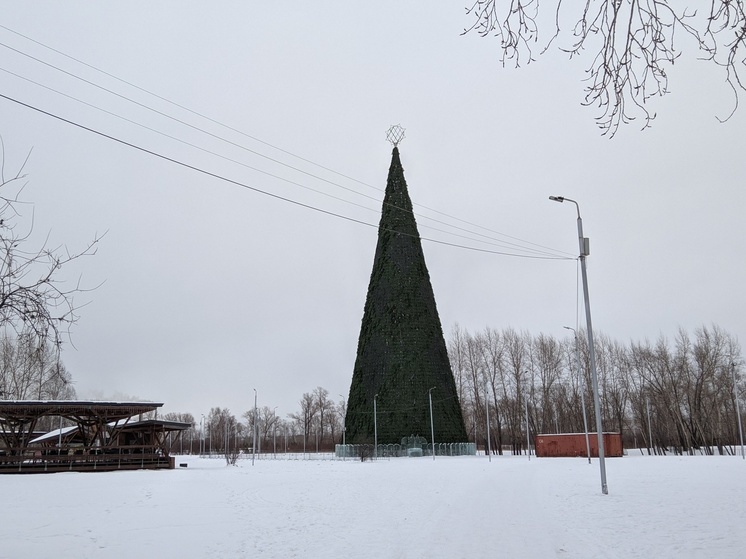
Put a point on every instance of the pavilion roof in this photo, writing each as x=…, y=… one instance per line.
x=26, y=410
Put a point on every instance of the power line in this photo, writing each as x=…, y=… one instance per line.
x=169, y=136
x=253, y=188
x=546, y=251
x=196, y=113
x=278, y=177
x=226, y=158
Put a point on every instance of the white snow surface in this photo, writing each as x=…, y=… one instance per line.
x=659, y=507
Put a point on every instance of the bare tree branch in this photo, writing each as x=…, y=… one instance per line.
x=632, y=44
x=34, y=298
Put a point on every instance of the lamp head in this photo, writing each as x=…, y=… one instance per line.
x=557, y=198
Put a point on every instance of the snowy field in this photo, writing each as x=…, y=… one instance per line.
x=398, y=508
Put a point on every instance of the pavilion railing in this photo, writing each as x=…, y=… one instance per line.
x=49, y=459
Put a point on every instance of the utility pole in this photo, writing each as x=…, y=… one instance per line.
x=584, y=245
x=344, y=429
x=650, y=428
x=738, y=409
x=528, y=435
x=254, y=430
x=487, y=409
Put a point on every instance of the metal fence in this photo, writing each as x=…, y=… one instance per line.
x=365, y=451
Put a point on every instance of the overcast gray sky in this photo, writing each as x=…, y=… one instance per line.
x=211, y=289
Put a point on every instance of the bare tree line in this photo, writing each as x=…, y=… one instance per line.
x=668, y=395
x=665, y=395
x=315, y=427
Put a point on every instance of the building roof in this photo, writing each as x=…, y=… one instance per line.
x=54, y=435
x=159, y=424
x=25, y=410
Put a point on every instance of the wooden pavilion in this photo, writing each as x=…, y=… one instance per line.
x=96, y=436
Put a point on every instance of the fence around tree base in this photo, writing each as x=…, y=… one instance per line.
x=364, y=451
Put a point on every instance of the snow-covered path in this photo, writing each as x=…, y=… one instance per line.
x=399, y=508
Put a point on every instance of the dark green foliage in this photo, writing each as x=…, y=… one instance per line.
x=401, y=350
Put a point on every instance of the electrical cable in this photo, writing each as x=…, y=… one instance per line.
x=502, y=243
x=255, y=189
x=226, y=158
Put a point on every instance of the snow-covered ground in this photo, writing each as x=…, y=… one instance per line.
x=405, y=507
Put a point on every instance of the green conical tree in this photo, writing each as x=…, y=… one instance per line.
x=401, y=351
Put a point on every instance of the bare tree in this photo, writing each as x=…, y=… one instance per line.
x=325, y=408
x=493, y=356
x=266, y=423
x=546, y=359
x=340, y=411
x=306, y=416
x=518, y=384
x=32, y=370
x=632, y=44
x=188, y=436
x=457, y=357
x=34, y=301
x=221, y=429
x=474, y=369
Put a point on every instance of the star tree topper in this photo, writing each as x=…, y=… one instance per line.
x=395, y=134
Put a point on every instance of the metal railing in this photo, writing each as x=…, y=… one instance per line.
x=364, y=451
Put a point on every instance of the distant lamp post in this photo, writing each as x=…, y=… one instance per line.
x=582, y=392
x=651, y=447
x=253, y=433
x=274, y=432
x=202, y=435
x=738, y=409
x=584, y=246
x=432, y=427
x=528, y=431
x=487, y=410
x=375, y=427
x=344, y=429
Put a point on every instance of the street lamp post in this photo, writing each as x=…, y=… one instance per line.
x=487, y=410
x=432, y=428
x=253, y=433
x=274, y=432
x=584, y=246
x=375, y=427
x=650, y=428
x=202, y=435
x=582, y=392
x=738, y=409
x=344, y=429
x=528, y=432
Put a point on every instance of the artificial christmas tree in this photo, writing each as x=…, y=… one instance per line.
x=401, y=351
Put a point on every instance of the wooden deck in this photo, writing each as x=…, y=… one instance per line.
x=97, y=437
